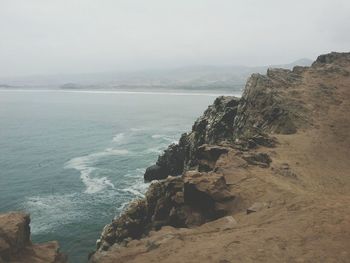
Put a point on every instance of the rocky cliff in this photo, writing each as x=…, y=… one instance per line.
x=262, y=178
x=214, y=127
x=15, y=244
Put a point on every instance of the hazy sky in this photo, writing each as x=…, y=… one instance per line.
x=75, y=36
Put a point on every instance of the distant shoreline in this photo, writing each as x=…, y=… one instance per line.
x=124, y=92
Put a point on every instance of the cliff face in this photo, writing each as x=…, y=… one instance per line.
x=15, y=244
x=251, y=170
x=263, y=109
x=214, y=127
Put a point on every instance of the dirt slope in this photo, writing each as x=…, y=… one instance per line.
x=295, y=210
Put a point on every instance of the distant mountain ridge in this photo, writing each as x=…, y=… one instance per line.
x=191, y=77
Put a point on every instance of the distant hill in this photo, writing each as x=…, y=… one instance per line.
x=228, y=78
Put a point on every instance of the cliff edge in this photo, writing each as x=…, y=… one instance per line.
x=261, y=178
x=15, y=244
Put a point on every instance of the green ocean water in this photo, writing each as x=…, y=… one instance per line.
x=74, y=159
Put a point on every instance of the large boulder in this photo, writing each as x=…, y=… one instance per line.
x=15, y=244
x=179, y=201
x=207, y=192
x=14, y=233
x=155, y=172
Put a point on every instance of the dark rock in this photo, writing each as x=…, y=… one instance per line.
x=189, y=200
x=264, y=110
x=155, y=172
x=331, y=58
x=213, y=127
x=172, y=160
x=208, y=155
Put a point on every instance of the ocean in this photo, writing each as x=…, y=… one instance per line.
x=74, y=159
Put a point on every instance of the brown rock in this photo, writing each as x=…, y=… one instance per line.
x=15, y=244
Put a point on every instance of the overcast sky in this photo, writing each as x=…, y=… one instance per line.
x=77, y=36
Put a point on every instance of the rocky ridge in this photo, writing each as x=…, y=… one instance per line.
x=15, y=244
x=253, y=155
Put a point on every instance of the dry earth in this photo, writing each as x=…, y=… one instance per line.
x=296, y=210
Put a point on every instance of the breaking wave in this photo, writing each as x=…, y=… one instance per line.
x=89, y=173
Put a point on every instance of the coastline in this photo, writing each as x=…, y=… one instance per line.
x=261, y=178
x=213, y=181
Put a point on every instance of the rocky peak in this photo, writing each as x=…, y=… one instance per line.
x=333, y=57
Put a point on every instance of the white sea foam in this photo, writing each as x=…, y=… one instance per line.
x=136, y=187
x=157, y=150
x=169, y=139
x=140, y=170
x=85, y=165
x=56, y=206
x=51, y=212
x=122, y=206
x=118, y=137
x=137, y=173
x=132, y=191
x=157, y=136
x=163, y=137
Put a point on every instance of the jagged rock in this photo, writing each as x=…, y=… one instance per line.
x=254, y=140
x=212, y=185
x=155, y=172
x=189, y=200
x=332, y=57
x=244, y=122
x=214, y=126
x=15, y=244
x=208, y=155
x=206, y=191
x=263, y=109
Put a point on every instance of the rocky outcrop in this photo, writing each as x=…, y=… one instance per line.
x=15, y=244
x=184, y=201
x=215, y=126
x=242, y=123
x=225, y=169
x=263, y=108
x=340, y=58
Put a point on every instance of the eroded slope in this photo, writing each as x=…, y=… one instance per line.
x=275, y=188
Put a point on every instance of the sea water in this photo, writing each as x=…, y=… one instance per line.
x=74, y=159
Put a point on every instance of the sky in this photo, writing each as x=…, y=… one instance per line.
x=39, y=37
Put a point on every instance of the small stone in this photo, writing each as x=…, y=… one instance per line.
x=256, y=207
